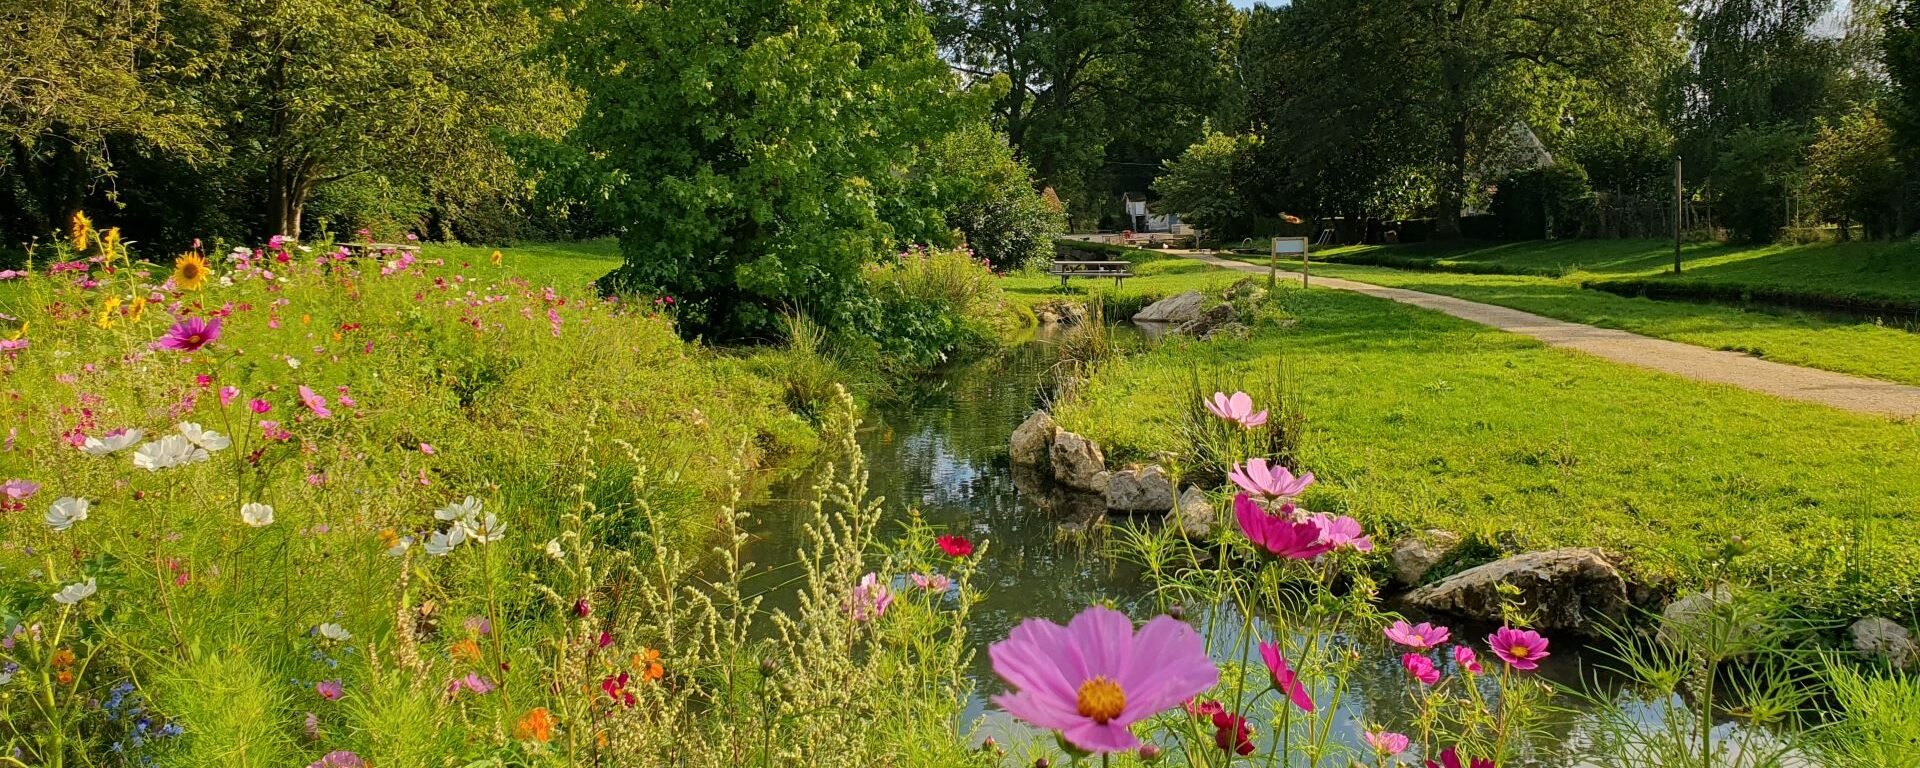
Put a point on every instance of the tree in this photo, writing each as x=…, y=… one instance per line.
x=747, y=146
x=1753, y=64
x=1208, y=185
x=1089, y=76
x=987, y=197
x=1758, y=169
x=1852, y=174
x=1900, y=51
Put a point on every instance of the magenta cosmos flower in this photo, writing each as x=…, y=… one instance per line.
x=1273, y=482
x=1343, y=531
x=189, y=334
x=1285, y=680
x=338, y=759
x=1519, y=648
x=1450, y=758
x=1387, y=742
x=1237, y=409
x=1285, y=534
x=1420, y=637
x=1421, y=668
x=1464, y=656
x=1092, y=679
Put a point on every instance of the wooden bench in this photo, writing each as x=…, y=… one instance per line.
x=1066, y=270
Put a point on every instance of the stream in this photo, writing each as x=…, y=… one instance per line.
x=945, y=453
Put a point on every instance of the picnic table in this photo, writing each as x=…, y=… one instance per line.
x=372, y=249
x=1066, y=270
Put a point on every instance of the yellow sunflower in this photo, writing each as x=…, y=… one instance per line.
x=82, y=230
x=190, y=272
x=107, y=309
x=110, y=243
x=137, y=307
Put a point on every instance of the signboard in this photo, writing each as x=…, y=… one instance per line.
x=1288, y=246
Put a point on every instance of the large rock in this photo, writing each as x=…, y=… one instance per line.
x=1570, y=589
x=1140, y=490
x=1217, y=317
x=1883, y=639
x=1195, y=516
x=1245, y=288
x=1414, y=556
x=1077, y=462
x=1706, y=619
x=1173, y=309
x=1032, y=440
x=1060, y=312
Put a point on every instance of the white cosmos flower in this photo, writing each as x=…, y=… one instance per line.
x=485, y=531
x=168, y=452
x=335, y=632
x=553, y=549
x=294, y=363
x=66, y=511
x=75, y=592
x=400, y=546
x=465, y=509
x=205, y=438
x=442, y=542
x=256, y=514
x=101, y=446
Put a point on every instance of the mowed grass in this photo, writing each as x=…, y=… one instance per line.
x=1418, y=420
x=568, y=266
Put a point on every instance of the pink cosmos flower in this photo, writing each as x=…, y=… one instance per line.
x=472, y=682
x=1420, y=637
x=937, y=582
x=1285, y=534
x=1421, y=668
x=189, y=334
x=19, y=490
x=1092, y=679
x=314, y=402
x=1237, y=409
x=1464, y=656
x=1520, y=648
x=339, y=759
x=11, y=346
x=1343, y=531
x=331, y=690
x=869, y=599
x=1450, y=758
x=1285, y=679
x=426, y=449
x=1388, y=743
x=12, y=274
x=259, y=405
x=1274, y=482
x=227, y=395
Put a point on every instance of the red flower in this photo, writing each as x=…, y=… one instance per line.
x=1451, y=759
x=615, y=687
x=1231, y=734
x=954, y=546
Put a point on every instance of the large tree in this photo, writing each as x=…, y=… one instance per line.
x=1137, y=78
x=748, y=146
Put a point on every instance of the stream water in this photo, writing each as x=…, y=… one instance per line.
x=945, y=453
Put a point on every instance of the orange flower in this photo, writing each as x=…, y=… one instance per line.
x=465, y=650
x=63, y=658
x=537, y=725
x=64, y=677
x=647, y=663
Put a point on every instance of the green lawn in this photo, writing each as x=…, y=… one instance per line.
x=568, y=265
x=1418, y=420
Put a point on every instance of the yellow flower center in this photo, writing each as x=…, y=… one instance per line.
x=1101, y=699
x=1518, y=651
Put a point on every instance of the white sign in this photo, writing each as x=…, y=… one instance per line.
x=1289, y=246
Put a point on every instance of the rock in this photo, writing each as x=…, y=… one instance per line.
x=1077, y=462
x=1246, y=288
x=1173, y=309
x=1701, y=616
x=1195, y=516
x=1570, y=589
x=1060, y=312
x=1414, y=556
x=1140, y=490
x=1215, y=318
x=1884, y=639
x=1032, y=440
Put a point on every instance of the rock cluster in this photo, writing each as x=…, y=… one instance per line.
x=1568, y=589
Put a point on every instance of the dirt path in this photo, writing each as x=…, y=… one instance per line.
x=1838, y=390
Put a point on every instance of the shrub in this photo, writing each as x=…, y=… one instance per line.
x=1207, y=185
x=1551, y=201
x=990, y=199
x=1755, y=173
x=928, y=304
x=1852, y=175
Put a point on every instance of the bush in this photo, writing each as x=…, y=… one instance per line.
x=1206, y=186
x=1552, y=201
x=925, y=306
x=990, y=200
x=1852, y=175
x=1752, y=178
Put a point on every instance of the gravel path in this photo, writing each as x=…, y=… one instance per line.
x=1838, y=390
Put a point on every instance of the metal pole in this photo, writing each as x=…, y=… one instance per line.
x=1677, y=210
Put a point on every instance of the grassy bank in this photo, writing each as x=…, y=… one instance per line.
x=1419, y=420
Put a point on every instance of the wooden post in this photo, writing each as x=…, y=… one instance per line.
x=1677, y=210
x=1273, y=264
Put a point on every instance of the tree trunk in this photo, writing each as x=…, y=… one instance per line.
x=289, y=184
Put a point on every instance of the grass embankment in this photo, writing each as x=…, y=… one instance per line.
x=1548, y=279
x=1419, y=420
